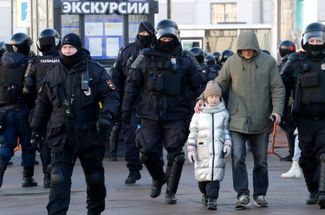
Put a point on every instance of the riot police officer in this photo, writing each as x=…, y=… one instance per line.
x=211, y=63
x=48, y=44
x=306, y=77
x=144, y=39
x=164, y=75
x=225, y=55
x=69, y=99
x=2, y=48
x=217, y=56
x=208, y=72
x=209, y=60
x=15, y=108
x=286, y=48
x=198, y=54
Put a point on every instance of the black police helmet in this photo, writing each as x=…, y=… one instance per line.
x=2, y=48
x=167, y=27
x=210, y=60
x=225, y=55
x=315, y=29
x=19, y=42
x=198, y=54
x=217, y=56
x=286, y=47
x=48, y=39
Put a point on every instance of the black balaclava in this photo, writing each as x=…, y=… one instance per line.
x=315, y=51
x=168, y=46
x=75, y=41
x=145, y=41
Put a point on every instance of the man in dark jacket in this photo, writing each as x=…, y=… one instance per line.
x=126, y=57
x=166, y=77
x=69, y=99
x=48, y=44
x=14, y=107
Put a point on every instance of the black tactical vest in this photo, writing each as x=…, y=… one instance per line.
x=313, y=83
x=11, y=83
x=165, y=77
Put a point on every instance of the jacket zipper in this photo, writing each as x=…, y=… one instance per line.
x=213, y=150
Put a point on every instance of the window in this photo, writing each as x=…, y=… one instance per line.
x=223, y=12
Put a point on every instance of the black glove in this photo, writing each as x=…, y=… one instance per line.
x=36, y=140
x=126, y=117
x=104, y=125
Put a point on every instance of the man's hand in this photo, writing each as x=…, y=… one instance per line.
x=198, y=106
x=104, y=125
x=36, y=140
x=191, y=153
x=275, y=117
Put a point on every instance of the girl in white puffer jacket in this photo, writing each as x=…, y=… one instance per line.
x=209, y=143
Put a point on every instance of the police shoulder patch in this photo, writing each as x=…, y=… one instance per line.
x=110, y=84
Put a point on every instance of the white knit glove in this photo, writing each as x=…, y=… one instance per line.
x=227, y=148
x=191, y=153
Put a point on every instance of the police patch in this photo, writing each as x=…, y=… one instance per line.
x=323, y=66
x=110, y=84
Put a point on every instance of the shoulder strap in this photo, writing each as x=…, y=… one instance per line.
x=137, y=61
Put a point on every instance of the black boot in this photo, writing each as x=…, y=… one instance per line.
x=156, y=187
x=133, y=176
x=287, y=158
x=321, y=200
x=113, y=141
x=312, y=198
x=212, y=204
x=309, y=172
x=3, y=167
x=28, y=180
x=321, y=197
x=155, y=168
x=47, y=176
x=46, y=180
x=204, y=200
x=2, y=172
x=174, y=177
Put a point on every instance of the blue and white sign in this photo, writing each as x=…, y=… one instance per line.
x=23, y=13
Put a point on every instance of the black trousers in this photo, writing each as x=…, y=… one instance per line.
x=45, y=153
x=132, y=150
x=311, y=134
x=289, y=126
x=156, y=135
x=62, y=167
x=209, y=188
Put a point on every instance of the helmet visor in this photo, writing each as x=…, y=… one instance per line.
x=167, y=31
x=314, y=38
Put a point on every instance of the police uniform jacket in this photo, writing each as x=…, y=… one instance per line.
x=37, y=69
x=164, y=80
x=73, y=112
